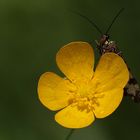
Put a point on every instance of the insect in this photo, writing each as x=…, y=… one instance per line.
x=104, y=45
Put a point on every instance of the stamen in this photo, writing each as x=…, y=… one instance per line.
x=85, y=98
x=86, y=103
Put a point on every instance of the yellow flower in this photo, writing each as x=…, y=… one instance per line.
x=83, y=94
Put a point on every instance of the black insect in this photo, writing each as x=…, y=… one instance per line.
x=104, y=45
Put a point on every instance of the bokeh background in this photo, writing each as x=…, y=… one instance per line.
x=31, y=33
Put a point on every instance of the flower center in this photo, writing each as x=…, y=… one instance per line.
x=85, y=98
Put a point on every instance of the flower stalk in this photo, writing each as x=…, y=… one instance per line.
x=69, y=135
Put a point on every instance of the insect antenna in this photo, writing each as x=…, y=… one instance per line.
x=90, y=21
x=114, y=19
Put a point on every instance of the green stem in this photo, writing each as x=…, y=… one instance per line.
x=69, y=135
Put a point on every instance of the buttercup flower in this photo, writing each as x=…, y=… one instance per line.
x=83, y=94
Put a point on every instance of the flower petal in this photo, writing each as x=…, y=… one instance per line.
x=76, y=61
x=72, y=117
x=108, y=103
x=54, y=91
x=111, y=72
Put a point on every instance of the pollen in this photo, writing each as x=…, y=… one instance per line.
x=85, y=98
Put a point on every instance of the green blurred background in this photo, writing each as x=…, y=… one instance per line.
x=31, y=32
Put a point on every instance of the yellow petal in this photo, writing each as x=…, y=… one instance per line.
x=111, y=72
x=76, y=61
x=108, y=103
x=54, y=91
x=72, y=117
